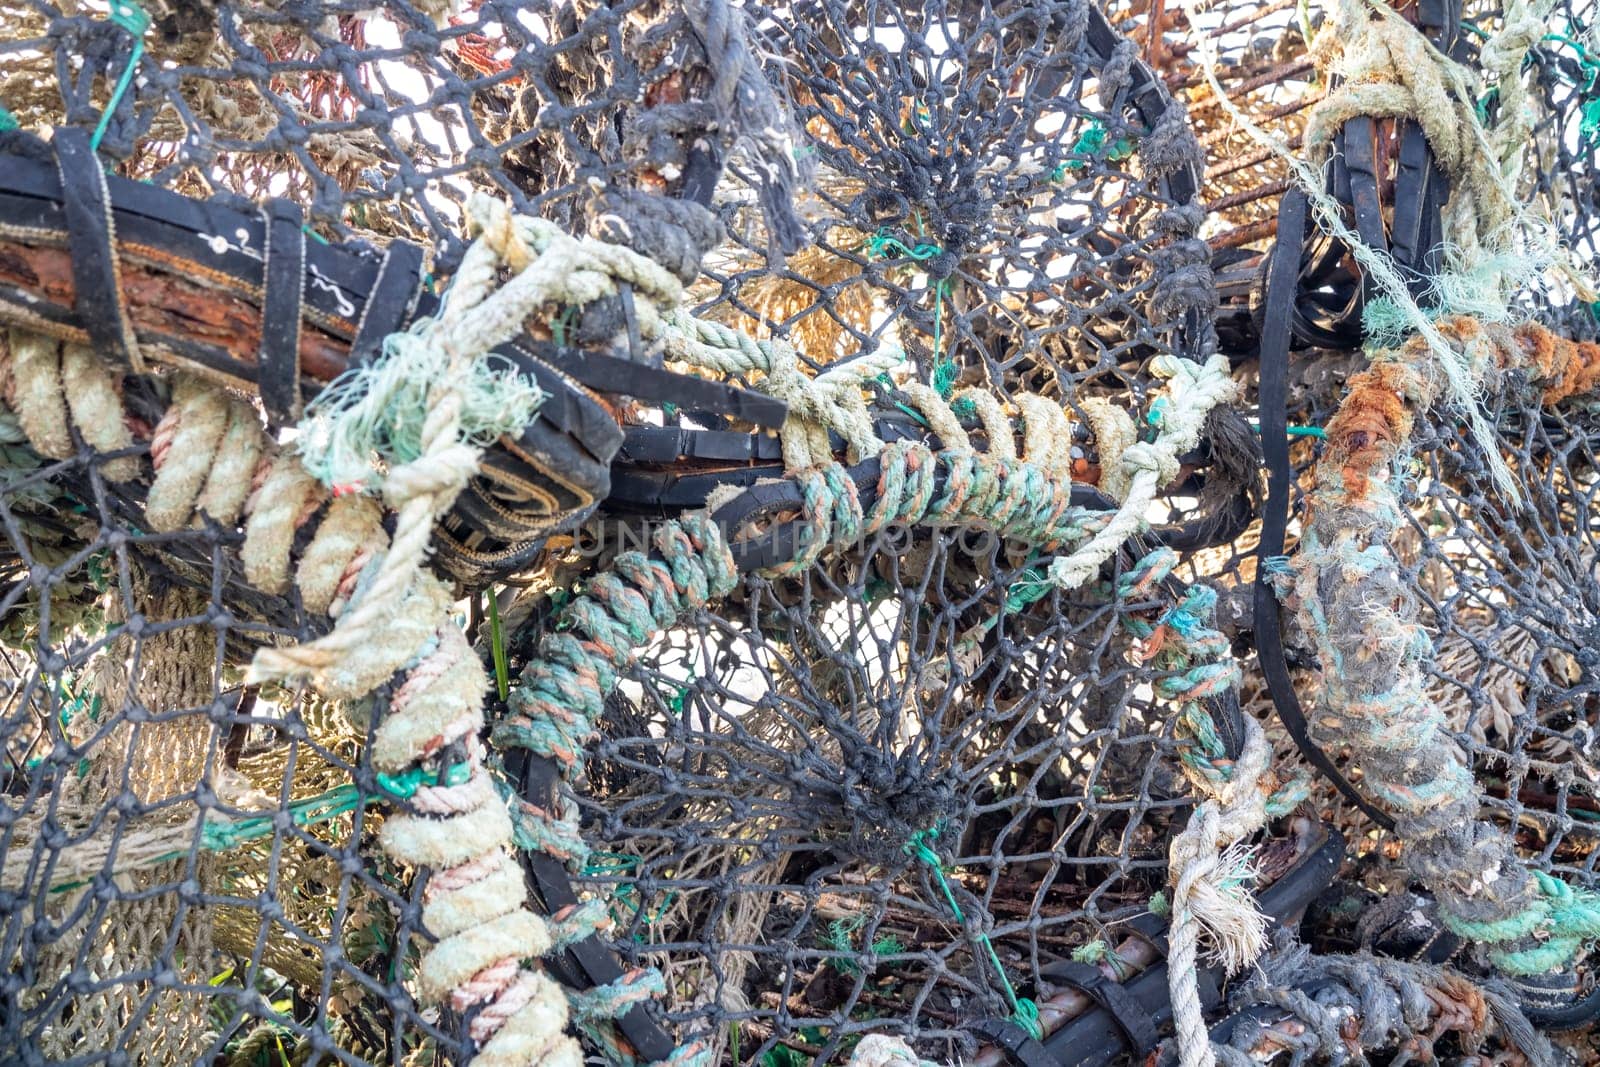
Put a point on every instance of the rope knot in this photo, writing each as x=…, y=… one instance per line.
x=491, y=220
x=1148, y=456
x=438, y=476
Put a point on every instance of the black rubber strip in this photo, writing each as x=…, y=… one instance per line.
x=1095, y=1039
x=1019, y=1047
x=610, y=374
x=1362, y=168
x=1578, y=1014
x=670, y=444
x=91, y=240
x=283, y=289
x=1273, y=398
x=391, y=302
x=588, y=963
x=1130, y=1016
x=1411, y=203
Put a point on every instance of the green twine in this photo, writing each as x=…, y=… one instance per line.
x=1094, y=951
x=1561, y=918
x=370, y=419
x=1091, y=142
x=841, y=938
x=560, y=324
x=625, y=893
x=879, y=246
x=1023, y=1011
x=1030, y=587
x=944, y=370
x=132, y=18
x=8, y=121
x=221, y=835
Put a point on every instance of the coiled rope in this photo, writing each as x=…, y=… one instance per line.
x=1134, y=471
x=357, y=416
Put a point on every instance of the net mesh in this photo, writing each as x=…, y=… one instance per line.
x=884, y=795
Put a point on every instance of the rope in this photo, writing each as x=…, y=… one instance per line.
x=1179, y=417
x=1372, y=71
x=1363, y=620
x=561, y=694
x=212, y=460
x=433, y=448
x=1208, y=862
x=135, y=20
x=425, y=410
x=884, y=1050
x=831, y=400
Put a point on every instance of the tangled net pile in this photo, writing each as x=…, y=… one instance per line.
x=670, y=532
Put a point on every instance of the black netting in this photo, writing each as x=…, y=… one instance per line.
x=896, y=793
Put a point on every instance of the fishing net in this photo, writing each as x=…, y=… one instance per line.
x=902, y=774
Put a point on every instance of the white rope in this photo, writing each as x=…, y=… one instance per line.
x=1148, y=466
x=1208, y=865
x=885, y=1050
x=831, y=400
x=444, y=354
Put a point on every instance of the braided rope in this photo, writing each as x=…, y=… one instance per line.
x=1144, y=467
x=561, y=693
x=831, y=400
x=476, y=901
x=1208, y=862
x=1363, y=621
x=444, y=352
x=212, y=460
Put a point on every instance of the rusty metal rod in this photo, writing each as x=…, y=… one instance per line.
x=1249, y=196
x=1243, y=235
x=1246, y=161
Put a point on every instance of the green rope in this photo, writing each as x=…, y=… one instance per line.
x=626, y=893
x=219, y=835
x=222, y=835
x=1090, y=143
x=1589, y=64
x=132, y=18
x=944, y=370
x=1024, y=1011
x=8, y=121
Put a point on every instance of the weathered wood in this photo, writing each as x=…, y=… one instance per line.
x=167, y=303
